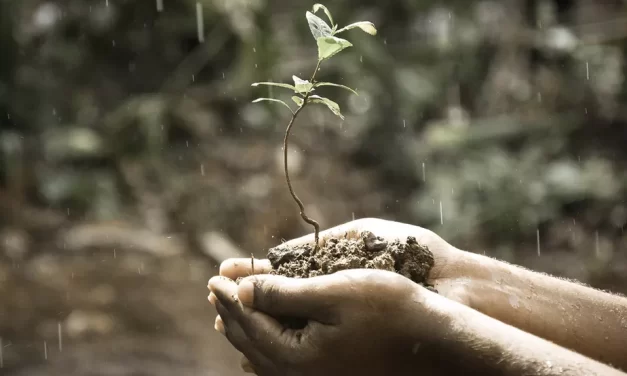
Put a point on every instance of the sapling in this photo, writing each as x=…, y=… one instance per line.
x=328, y=46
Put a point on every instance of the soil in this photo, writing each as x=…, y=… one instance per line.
x=356, y=251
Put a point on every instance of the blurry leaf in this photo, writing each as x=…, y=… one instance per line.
x=318, y=27
x=298, y=101
x=302, y=86
x=329, y=46
x=334, y=107
x=273, y=100
x=287, y=86
x=317, y=7
x=366, y=26
x=335, y=85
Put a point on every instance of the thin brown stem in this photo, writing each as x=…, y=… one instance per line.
x=303, y=215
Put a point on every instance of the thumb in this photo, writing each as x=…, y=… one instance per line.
x=306, y=298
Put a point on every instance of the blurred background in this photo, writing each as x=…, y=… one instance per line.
x=132, y=160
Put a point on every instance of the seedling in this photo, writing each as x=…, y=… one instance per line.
x=328, y=46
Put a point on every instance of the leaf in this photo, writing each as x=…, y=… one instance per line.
x=301, y=86
x=329, y=46
x=273, y=100
x=336, y=85
x=318, y=27
x=287, y=86
x=298, y=101
x=317, y=7
x=366, y=26
x=334, y=107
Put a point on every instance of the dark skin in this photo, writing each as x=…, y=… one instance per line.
x=350, y=330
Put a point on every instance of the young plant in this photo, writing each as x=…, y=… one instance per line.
x=328, y=45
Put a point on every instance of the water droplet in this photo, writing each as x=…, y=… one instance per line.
x=202, y=169
x=587, y=71
x=60, y=335
x=424, y=177
x=45, y=350
x=200, y=22
x=160, y=5
x=441, y=214
x=538, y=240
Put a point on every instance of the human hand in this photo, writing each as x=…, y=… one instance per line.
x=445, y=275
x=366, y=322
x=448, y=270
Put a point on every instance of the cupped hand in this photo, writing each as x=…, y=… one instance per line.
x=445, y=275
x=365, y=322
x=448, y=270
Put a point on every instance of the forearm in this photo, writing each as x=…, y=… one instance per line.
x=477, y=344
x=580, y=318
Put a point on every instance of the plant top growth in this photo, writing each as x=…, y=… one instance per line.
x=329, y=45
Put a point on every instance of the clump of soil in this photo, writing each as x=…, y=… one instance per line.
x=364, y=250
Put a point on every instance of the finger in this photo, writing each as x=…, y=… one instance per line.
x=239, y=338
x=219, y=325
x=225, y=291
x=246, y=365
x=212, y=298
x=307, y=298
x=235, y=268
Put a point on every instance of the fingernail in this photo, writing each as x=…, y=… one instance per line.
x=212, y=298
x=219, y=325
x=246, y=292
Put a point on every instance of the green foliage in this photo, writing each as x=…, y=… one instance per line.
x=328, y=46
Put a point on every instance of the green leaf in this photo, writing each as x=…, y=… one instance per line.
x=317, y=7
x=318, y=27
x=366, y=26
x=298, y=100
x=301, y=86
x=334, y=107
x=329, y=46
x=287, y=86
x=273, y=100
x=336, y=85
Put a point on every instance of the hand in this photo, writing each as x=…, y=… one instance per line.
x=447, y=275
x=361, y=322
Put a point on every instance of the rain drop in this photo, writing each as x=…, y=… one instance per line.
x=160, y=5
x=538, y=240
x=60, y=335
x=200, y=23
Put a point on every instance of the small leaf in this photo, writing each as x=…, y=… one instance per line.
x=273, y=100
x=336, y=85
x=366, y=26
x=301, y=86
x=287, y=86
x=334, y=107
x=329, y=46
x=298, y=101
x=318, y=27
x=317, y=7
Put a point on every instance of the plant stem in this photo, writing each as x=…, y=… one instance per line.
x=303, y=215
